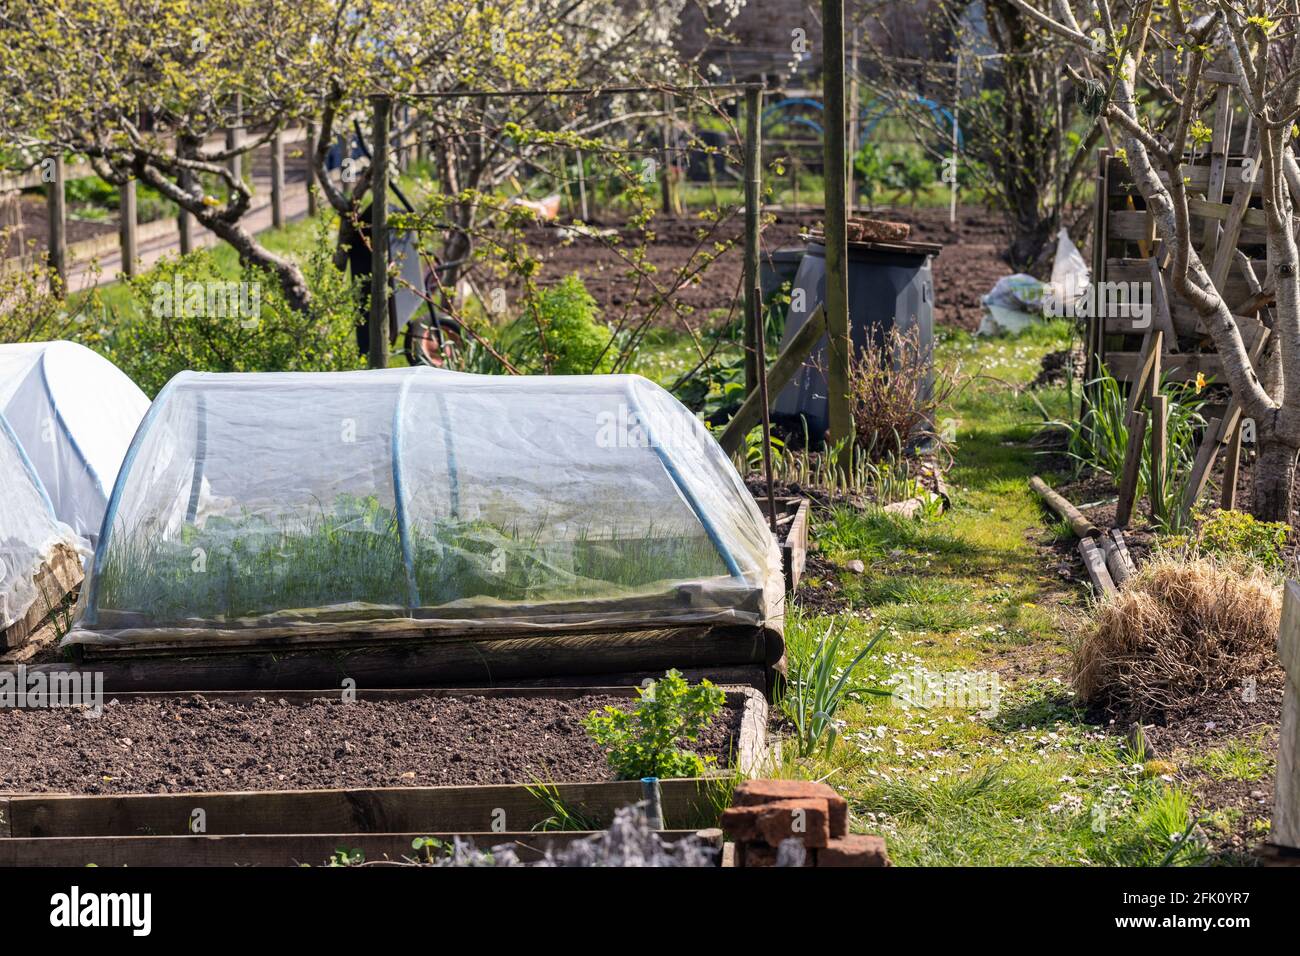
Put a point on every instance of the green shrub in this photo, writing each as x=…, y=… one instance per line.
x=1235, y=535
x=186, y=313
x=645, y=742
x=32, y=307
x=576, y=341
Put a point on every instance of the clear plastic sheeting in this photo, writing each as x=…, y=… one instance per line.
x=421, y=498
x=29, y=533
x=74, y=413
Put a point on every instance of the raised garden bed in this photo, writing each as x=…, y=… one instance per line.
x=56, y=579
x=393, y=739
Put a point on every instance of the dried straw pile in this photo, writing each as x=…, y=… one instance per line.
x=1180, y=629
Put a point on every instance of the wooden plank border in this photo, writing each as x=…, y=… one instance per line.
x=466, y=661
x=450, y=809
x=297, y=849
x=54, y=582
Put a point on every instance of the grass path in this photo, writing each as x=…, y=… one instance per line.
x=1006, y=771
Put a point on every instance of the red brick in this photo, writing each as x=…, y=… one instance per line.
x=773, y=822
x=808, y=821
x=760, y=854
x=753, y=792
x=855, y=850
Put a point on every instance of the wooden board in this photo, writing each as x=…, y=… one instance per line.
x=794, y=539
x=298, y=849
x=445, y=662
x=54, y=582
x=452, y=809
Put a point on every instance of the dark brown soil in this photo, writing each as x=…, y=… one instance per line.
x=969, y=265
x=1060, y=366
x=1228, y=717
x=174, y=745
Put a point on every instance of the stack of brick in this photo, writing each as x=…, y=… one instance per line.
x=766, y=813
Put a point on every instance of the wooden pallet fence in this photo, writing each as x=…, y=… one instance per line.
x=1229, y=233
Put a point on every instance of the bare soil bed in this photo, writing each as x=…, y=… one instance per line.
x=969, y=265
x=192, y=744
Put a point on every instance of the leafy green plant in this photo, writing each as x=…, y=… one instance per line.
x=1099, y=440
x=155, y=336
x=911, y=175
x=817, y=687
x=430, y=848
x=871, y=172
x=1234, y=534
x=562, y=319
x=345, y=857
x=562, y=816
x=646, y=742
x=350, y=552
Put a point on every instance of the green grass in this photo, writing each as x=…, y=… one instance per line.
x=295, y=240
x=1242, y=761
x=1028, y=781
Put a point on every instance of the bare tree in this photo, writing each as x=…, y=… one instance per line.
x=1156, y=121
x=1015, y=106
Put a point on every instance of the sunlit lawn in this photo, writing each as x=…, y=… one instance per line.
x=1023, y=779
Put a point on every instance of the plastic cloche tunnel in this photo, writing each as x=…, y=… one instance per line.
x=418, y=498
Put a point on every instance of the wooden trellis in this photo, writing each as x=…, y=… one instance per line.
x=1228, y=231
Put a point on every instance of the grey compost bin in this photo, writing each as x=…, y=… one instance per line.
x=889, y=286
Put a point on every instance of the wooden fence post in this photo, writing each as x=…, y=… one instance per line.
x=277, y=181
x=311, y=168
x=57, y=208
x=1231, y=468
x=1159, y=442
x=382, y=106
x=1286, y=799
x=127, y=227
x=186, y=145
x=753, y=182
x=839, y=350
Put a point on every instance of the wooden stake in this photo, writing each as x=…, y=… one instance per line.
x=235, y=138
x=839, y=342
x=753, y=181
x=582, y=189
x=312, y=137
x=277, y=181
x=1159, y=443
x=761, y=344
x=1095, y=564
x=56, y=205
x=127, y=228
x=382, y=106
x=1231, y=467
x=778, y=377
x=1137, y=429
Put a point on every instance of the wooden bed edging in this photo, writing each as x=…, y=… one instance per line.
x=314, y=849
x=452, y=809
x=793, y=522
x=443, y=662
x=54, y=582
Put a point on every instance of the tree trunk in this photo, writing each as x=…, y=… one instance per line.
x=1274, y=476
x=292, y=281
